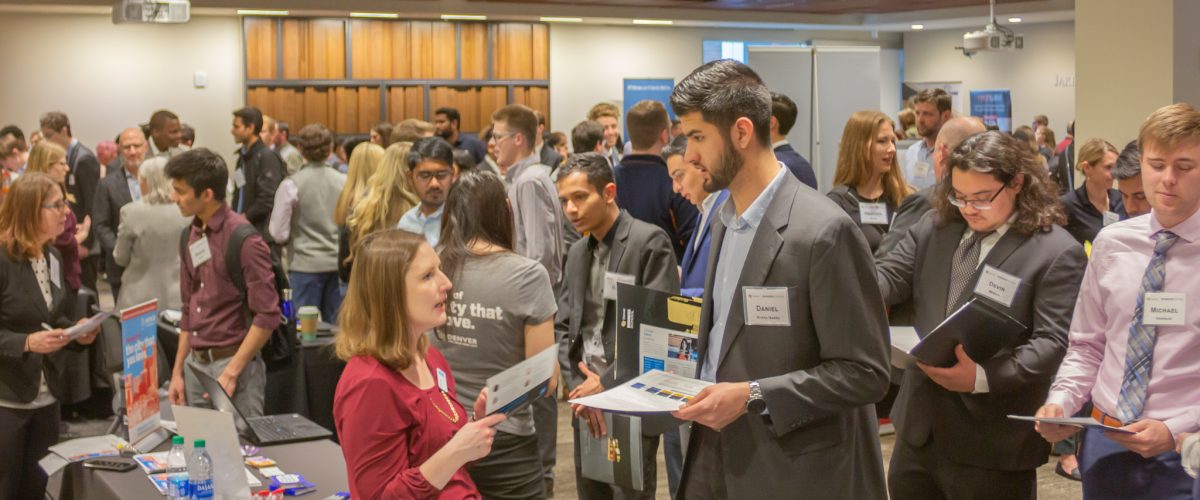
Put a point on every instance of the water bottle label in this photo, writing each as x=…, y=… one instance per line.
x=179, y=488
x=202, y=489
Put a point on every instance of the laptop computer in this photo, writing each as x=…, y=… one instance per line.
x=267, y=429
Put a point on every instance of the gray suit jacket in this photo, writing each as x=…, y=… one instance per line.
x=821, y=375
x=148, y=247
x=973, y=429
x=111, y=195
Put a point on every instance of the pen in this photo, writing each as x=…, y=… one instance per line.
x=46, y=326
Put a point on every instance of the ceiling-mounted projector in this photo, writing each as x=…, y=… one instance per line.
x=151, y=11
x=991, y=37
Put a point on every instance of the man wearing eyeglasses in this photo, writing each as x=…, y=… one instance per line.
x=993, y=227
x=431, y=172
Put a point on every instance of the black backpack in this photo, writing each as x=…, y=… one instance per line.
x=277, y=352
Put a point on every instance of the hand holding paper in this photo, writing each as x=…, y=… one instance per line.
x=717, y=405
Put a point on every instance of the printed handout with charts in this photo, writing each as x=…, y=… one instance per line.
x=652, y=392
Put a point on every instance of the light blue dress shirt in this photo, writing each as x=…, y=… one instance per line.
x=416, y=222
x=735, y=248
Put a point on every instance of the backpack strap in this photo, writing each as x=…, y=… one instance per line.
x=183, y=242
x=233, y=257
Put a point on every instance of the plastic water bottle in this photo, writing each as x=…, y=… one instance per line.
x=200, y=472
x=287, y=309
x=177, y=488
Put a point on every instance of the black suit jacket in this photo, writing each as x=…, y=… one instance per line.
x=796, y=164
x=973, y=429
x=82, y=180
x=22, y=311
x=550, y=157
x=111, y=195
x=263, y=170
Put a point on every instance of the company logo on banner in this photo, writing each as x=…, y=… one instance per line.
x=641, y=89
x=139, y=343
x=994, y=107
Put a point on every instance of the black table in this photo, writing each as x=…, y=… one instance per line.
x=320, y=462
x=308, y=384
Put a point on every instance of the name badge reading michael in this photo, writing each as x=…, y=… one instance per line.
x=997, y=285
x=610, y=283
x=441, y=381
x=873, y=213
x=200, y=252
x=766, y=306
x=1165, y=309
x=1111, y=218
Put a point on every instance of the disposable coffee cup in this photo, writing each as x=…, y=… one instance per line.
x=309, y=315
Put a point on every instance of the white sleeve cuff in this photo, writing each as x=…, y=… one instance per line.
x=981, y=382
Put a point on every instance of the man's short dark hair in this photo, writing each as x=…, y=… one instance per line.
x=17, y=134
x=251, y=117
x=187, y=134
x=283, y=128
x=315, y=142
x=431, y=148
x=938, y=97
x=56, y=120
x=464, y=160
x=452, y=116
x=677, y=147
x=520, y=119
x=159, y=119
x=646, y=121
x=594, y=166
x=586, y=135
x=1129, y=162
x=783, y=108
x=200, y=169
x=724, y=91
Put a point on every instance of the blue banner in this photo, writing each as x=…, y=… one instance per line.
x=641, y=89
x=994, y=107
x=139, y=341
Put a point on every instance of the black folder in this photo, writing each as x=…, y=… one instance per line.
x=981, y=327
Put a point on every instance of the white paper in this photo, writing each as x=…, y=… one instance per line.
x=873, y=213
x=904, y=339
x=1164, y=309
x=52, y=463
x=766, y=306
x=510, y=388
x=91, y=324
x=1073, y=422
x=96, y=446
x=651, y=392
x=217, y=430
x=610, y=283
x=200, y=251
x=997, y=285
x=672, y=351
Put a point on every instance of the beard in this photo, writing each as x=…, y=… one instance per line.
x=728, y=166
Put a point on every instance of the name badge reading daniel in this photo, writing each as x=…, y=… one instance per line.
x=200, y=252
x=997, y=285
x=766, y=306
x=610, y=283
x=873, y=213
x=1165, y=309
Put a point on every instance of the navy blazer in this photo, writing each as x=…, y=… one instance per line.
x=696, y=261
x=796, y=164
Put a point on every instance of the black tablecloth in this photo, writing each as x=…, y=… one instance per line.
x=307, y=385
x=320, y=462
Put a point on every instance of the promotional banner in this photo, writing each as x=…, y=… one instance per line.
x=641, y=89
x=994, y=107
x=139, y=342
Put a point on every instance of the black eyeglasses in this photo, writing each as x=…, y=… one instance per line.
x=976, y=204
x=427, y=176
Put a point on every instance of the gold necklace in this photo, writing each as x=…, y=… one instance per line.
x=454, y=419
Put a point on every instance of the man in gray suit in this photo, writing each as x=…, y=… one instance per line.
x=993, y=235
x=116, y=190
x=792, y=331
x=618, y=248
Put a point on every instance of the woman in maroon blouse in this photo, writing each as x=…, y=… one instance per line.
x=402, y=432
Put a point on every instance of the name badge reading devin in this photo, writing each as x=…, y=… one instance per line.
x=1111, y=218
x=873, y=213
x=767, y=306
x=1165, y=309
x=610, y=283
x=997, y=285
x=441, y=381
x=200, y=252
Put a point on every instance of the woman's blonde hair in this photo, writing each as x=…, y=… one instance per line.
x=158, y=185
x=387, y=197
x=854, y=165
x=42, y=156
x=373, y=318
x=1093, y=151
x=364, y=162
x=21, y=214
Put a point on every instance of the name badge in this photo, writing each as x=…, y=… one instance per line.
x=441, y=381
x=239, y=178
x=1165, y=309
x=55, y=270
x=200, y=251
x=1111, y=218
x=873, y=213
x=921, y=169
x=997, y=285
x=610, y=283
x=71, y=179
x=767, y=306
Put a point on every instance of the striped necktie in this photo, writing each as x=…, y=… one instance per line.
x=1140, y=351
x=966, y=261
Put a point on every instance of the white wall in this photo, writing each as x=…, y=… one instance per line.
x=1041, y=76
x=589, y=63
x=107, y=77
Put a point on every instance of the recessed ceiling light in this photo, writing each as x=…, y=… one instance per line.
x=562, y=19
x=918, y=26
x=257, y=12
x=656, y=22
x=375, y=15
x=1015, y=19
x=463, y=17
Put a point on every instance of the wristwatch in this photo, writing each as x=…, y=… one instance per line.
x=756, y=403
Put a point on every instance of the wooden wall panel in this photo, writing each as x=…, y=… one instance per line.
x=491, y=99
x=369, y=112
x=535, y=97
x=405, y=102
x=320, y=106
x=314, y=49
x=283, y=104
x=432, y=49
x=513, y=51
x=371, y=49
x=261, y=41
x=540, y=52
x=474, y=50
